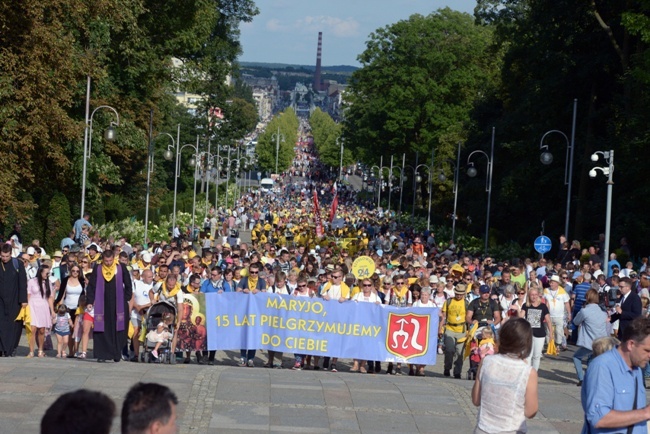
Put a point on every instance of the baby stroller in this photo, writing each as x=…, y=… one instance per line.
x=154, y=316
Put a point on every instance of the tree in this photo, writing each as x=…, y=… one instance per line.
x=286, y=124
x=327, y=137
x=417, y=86
x=58, y=223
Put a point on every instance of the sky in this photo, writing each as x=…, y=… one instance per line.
x=286, y=31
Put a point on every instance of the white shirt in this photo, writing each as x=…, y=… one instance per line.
x=372, y=297
x=555, y=301
x=429, y=303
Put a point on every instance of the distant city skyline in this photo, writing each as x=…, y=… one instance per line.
x=286, y=31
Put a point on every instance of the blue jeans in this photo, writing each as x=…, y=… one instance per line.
x=247, y=354
x=580, y=354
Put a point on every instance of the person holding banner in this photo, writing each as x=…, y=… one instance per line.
x=366, y=295
x=251, y=284
x=335, y=289
x=424, y=301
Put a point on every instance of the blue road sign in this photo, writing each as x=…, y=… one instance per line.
x=543, y=244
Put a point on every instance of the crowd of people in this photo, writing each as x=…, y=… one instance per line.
x=93, y=286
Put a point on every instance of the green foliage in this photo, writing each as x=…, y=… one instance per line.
x=327, y=136
x=282, y=130
x=50, y=47
x=59, y=222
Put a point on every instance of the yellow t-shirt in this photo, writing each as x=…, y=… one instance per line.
x=455, y=311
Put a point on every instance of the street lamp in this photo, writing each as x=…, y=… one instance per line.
x=609, y=172
x=278, y=137
x=442, y=178
x=341, y=163
x=177, y=173
x=149, y=170
x=472, y=172
x=109, y=135
x=547, y=158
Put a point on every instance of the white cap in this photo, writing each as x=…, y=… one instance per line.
x=146, y=256
x=30, y=250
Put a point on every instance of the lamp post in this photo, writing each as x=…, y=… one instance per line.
x=341, y=163
x=177, y=173
x=471, y=172
x=415, y=187
x=442, y=178
x=608, y=171
x=547, y=158
x=149, y=170
x=418, y=179
x=277, y=136
x=109, y=135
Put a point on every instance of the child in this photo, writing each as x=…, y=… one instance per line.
x=62, y=324
x=87, y=323
x=486, y=344
x=77, y=330
x=159, y=336
x=604, y=344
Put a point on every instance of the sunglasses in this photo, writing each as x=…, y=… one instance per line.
x=366, y=284
x=399, y=283
x=336, y=277
x=302, y=286
x=84, y=262
x=521, y=293
x=254, y=272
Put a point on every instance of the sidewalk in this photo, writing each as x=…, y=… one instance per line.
x=228, y=399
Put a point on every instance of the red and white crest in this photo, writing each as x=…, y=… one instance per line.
x=407, y=335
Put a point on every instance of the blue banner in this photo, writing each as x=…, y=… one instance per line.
x=314, y=326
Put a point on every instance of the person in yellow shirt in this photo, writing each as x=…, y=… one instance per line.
x=453, y=324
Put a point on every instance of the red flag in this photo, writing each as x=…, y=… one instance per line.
x=317, y=218
x=335, y=203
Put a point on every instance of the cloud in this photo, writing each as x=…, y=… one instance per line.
x=341, y=28
x=275, y=25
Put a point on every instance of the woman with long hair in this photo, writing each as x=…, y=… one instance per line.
x=71, y=289
x=41, y=308
x=537, y=314
x=506, y=375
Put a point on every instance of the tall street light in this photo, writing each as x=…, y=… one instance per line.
x=341, y=162
x=608, y=171
x=471, y=172
x=109, y=135
x=547, y=158
x=418, y=179
x=149, y=170
x=177, y=173
x=442, y=178
x=278, y=137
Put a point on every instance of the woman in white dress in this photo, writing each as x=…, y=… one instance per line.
x=424, y=301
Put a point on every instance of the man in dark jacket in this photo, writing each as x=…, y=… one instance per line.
x=13, y=295
x=628, y=307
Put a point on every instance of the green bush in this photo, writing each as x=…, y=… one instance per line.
x=58, y=222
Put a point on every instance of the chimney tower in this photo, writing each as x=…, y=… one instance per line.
x=317, y=82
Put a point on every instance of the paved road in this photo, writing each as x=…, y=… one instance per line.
x=228, y=399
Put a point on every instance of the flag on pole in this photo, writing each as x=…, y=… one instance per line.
x=335, y=203
x=317, y=218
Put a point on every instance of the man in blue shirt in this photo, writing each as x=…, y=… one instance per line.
x=613, y=395
x=214, y=283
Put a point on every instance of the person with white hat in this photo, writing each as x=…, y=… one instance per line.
x=558, y=302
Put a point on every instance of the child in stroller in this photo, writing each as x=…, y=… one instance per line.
x=158, y=339
x=480, y=346
x=160, y=335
